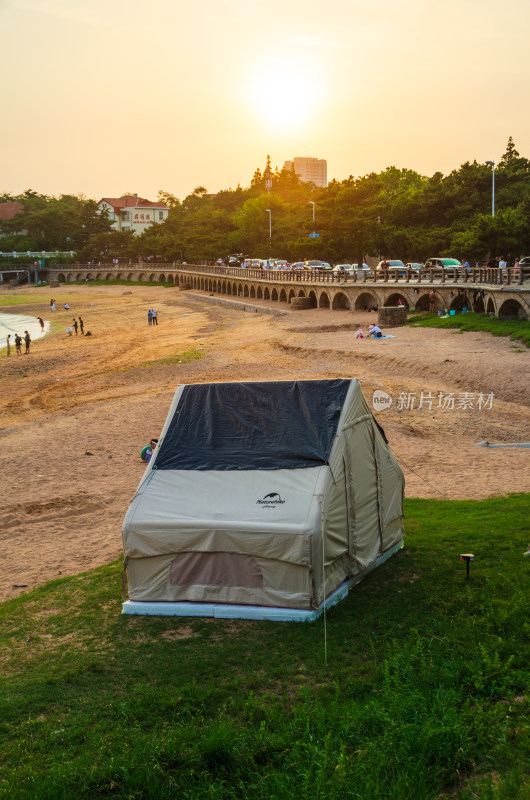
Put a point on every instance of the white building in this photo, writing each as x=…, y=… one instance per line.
x=309, y=169
x=133, y=213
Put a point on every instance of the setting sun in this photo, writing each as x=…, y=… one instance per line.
x=285, y=92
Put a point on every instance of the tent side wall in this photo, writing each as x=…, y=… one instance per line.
x=363, y=504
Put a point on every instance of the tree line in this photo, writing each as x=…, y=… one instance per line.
x=396, y=213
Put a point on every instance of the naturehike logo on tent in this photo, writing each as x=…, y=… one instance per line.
x=271, y=500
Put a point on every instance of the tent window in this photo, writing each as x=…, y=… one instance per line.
x=215, y=569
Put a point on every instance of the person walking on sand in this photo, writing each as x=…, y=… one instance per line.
x=8, y=345
x=154, y=315
x=27, y=339
x=18, y=342
x=75, y=325
x=52, y=305
x=432, y=301
x=149, y=317
x=81, y=325
x=41, y=323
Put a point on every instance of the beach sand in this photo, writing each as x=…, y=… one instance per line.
x=77, y=411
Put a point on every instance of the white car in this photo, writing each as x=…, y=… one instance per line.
x=393, y=263
x=414, y=265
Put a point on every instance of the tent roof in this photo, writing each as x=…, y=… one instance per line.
x=250, y=426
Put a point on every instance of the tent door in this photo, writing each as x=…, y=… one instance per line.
x=379, y=489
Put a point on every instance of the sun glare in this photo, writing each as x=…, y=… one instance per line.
x=284, y=92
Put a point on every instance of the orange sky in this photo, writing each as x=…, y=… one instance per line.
x=102, y=98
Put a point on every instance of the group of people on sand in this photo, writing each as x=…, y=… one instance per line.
x=76, y=326
x=374, y=332
x=152, y=316
x=18, y=343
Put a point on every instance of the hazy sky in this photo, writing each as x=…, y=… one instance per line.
x=101, y=97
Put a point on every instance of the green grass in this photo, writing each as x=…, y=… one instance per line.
x=178, y=358
x=19, y=299
x=425, y=694
x=515, y=329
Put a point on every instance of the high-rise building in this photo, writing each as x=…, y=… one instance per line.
x=309, y=169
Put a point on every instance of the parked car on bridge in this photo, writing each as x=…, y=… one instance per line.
x=298, y=265
x=414, y=265
x=442, y=263
x=316, y=264
x=390, y=263
x=351, y=268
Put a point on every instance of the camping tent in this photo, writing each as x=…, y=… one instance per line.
x=262, y=500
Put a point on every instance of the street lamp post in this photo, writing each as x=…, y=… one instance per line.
x=492, y=165
x=270, y=230
x=312, y=203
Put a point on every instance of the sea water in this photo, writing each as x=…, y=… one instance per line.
x=18, y=323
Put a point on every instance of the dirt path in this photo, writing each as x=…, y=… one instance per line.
x=75, y=413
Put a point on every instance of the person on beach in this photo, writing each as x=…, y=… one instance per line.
x=75, y=325
x=359, y=334
x=149, y=317
x=27, y=339
x=154, y=315
x=52, y=305
x=374, y=331
x=18, y=342
x=41, y=323
x=432, y=301
x=81, y=325
x=8, y=344
x=147, y=451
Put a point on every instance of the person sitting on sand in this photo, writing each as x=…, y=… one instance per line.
x=374, y=331
x=359, y=334
x=148, y=449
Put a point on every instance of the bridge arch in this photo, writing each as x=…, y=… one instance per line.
x=69, y=277
x=292, y=294
x=283, y=296
x=245, y=290
x=365, y=301
x=89, y=276
x=61, y=278
x=164, y=278
x=312, y=296
x=274, y=294
x=458, y=302
x=323, y=300
x=169, y=279
x=109, y=276
x=130, y=276
x=253, y=291
x=490, y=305
x=152, y=277
x=266, y=293
x=512, y=309
x=392, y=300
x=341, y=301
x=141, y=276
x=259, y=293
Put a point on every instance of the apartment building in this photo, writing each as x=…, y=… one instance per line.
x=309, y=169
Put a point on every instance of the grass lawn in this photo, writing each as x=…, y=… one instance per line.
x=516, y=329
x=19, y=299
x=425, y=694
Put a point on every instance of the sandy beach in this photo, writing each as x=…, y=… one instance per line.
x=77, y=411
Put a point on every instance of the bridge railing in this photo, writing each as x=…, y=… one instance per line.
x=482, y=275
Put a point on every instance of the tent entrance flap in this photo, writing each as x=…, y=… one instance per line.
x=249, y=426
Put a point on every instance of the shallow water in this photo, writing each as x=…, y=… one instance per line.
x=18, y=323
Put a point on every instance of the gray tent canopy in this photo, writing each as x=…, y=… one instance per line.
x=263, y=500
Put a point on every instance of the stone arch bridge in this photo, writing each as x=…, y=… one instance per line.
x=477, y=290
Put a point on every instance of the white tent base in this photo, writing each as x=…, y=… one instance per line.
x=226, y=611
